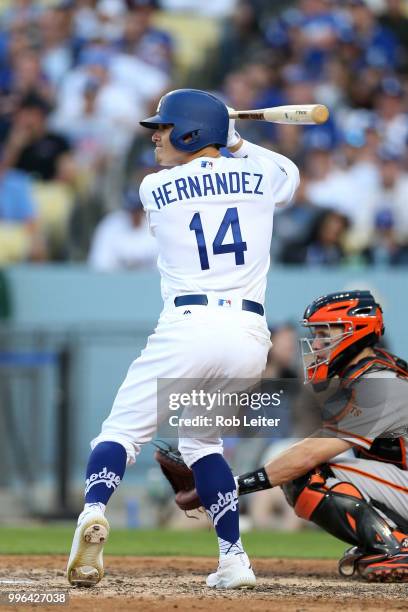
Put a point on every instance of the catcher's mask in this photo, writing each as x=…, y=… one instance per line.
x=340, y=326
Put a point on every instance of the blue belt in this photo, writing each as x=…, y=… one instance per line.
x=202, y=300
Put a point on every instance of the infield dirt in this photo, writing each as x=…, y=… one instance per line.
x=150, y=584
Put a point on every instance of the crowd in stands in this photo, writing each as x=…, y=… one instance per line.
x=76, y=76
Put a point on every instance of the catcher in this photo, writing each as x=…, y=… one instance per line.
x=359, y=497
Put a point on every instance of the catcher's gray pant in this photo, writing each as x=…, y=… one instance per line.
x=204, y=343
x=377, y=480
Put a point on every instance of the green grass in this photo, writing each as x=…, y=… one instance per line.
x=57, y=540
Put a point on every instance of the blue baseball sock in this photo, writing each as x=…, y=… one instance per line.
x=217, y=491
x=106, y=466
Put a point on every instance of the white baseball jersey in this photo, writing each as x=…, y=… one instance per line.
x=213, y=218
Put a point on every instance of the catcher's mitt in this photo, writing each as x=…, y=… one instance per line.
x=179, y=476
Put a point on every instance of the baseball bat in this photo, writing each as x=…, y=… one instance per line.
x=302, y=114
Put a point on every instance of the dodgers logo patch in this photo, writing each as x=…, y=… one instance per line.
x=110, y=479
x=226, y=502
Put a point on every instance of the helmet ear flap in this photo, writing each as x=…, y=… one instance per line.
x=191, y=137
x=184, y=141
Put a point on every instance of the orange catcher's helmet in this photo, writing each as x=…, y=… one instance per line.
x=341, y=325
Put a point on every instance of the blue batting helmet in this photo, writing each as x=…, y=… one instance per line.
x=199, y=118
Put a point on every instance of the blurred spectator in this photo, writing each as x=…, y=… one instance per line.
x=378, y=45
x=282, y=357
x=93, y=135
x=31, y=147
x=88, y=92
x=56, y=49
x=122, y=240
x=239, y=90
x=247, y=88
x=358, y=156
x=309, y=32
x=46, y=156
x=111, y=17
x=16, y=197
x=24, y=77
x=141, y=39
x=20, y=239
x=390, y=107
x=332, y=89
x=21, y=13
x=124, y=87
x=239, y=40
x=324, y=246
x=293, y=223
x=85, y=20
x=288, y=139
x=395, y=18
x=27, y=76
x=385, y=249
x=390, y=194
x=325, y=186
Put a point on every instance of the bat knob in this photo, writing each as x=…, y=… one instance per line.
x=320, y=113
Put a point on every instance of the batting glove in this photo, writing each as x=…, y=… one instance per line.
x=233, y=136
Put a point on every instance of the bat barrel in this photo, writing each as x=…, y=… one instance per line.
x=301, y=114
x=320, y=113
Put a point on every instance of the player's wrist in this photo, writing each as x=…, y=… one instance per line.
x=234, y=139
x=234, y=148
x=252, y=482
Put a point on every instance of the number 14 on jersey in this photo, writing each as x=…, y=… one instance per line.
x=237, y=246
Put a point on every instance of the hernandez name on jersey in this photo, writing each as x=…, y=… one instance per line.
x=221, y=209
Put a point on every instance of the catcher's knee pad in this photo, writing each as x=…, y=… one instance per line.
x=342, y=511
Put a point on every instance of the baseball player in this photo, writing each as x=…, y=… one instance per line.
x=359, y=497
x=212, y=217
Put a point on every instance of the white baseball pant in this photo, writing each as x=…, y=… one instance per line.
x=206, y=342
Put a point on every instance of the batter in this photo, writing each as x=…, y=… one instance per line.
x=212, y=217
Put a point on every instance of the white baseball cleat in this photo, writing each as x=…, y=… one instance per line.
x=85, y=564
x=234, y=572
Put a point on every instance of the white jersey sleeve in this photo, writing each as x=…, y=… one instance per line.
x=144, y=200
x=283, y=173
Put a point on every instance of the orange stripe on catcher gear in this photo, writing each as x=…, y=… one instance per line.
x=348, y=468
